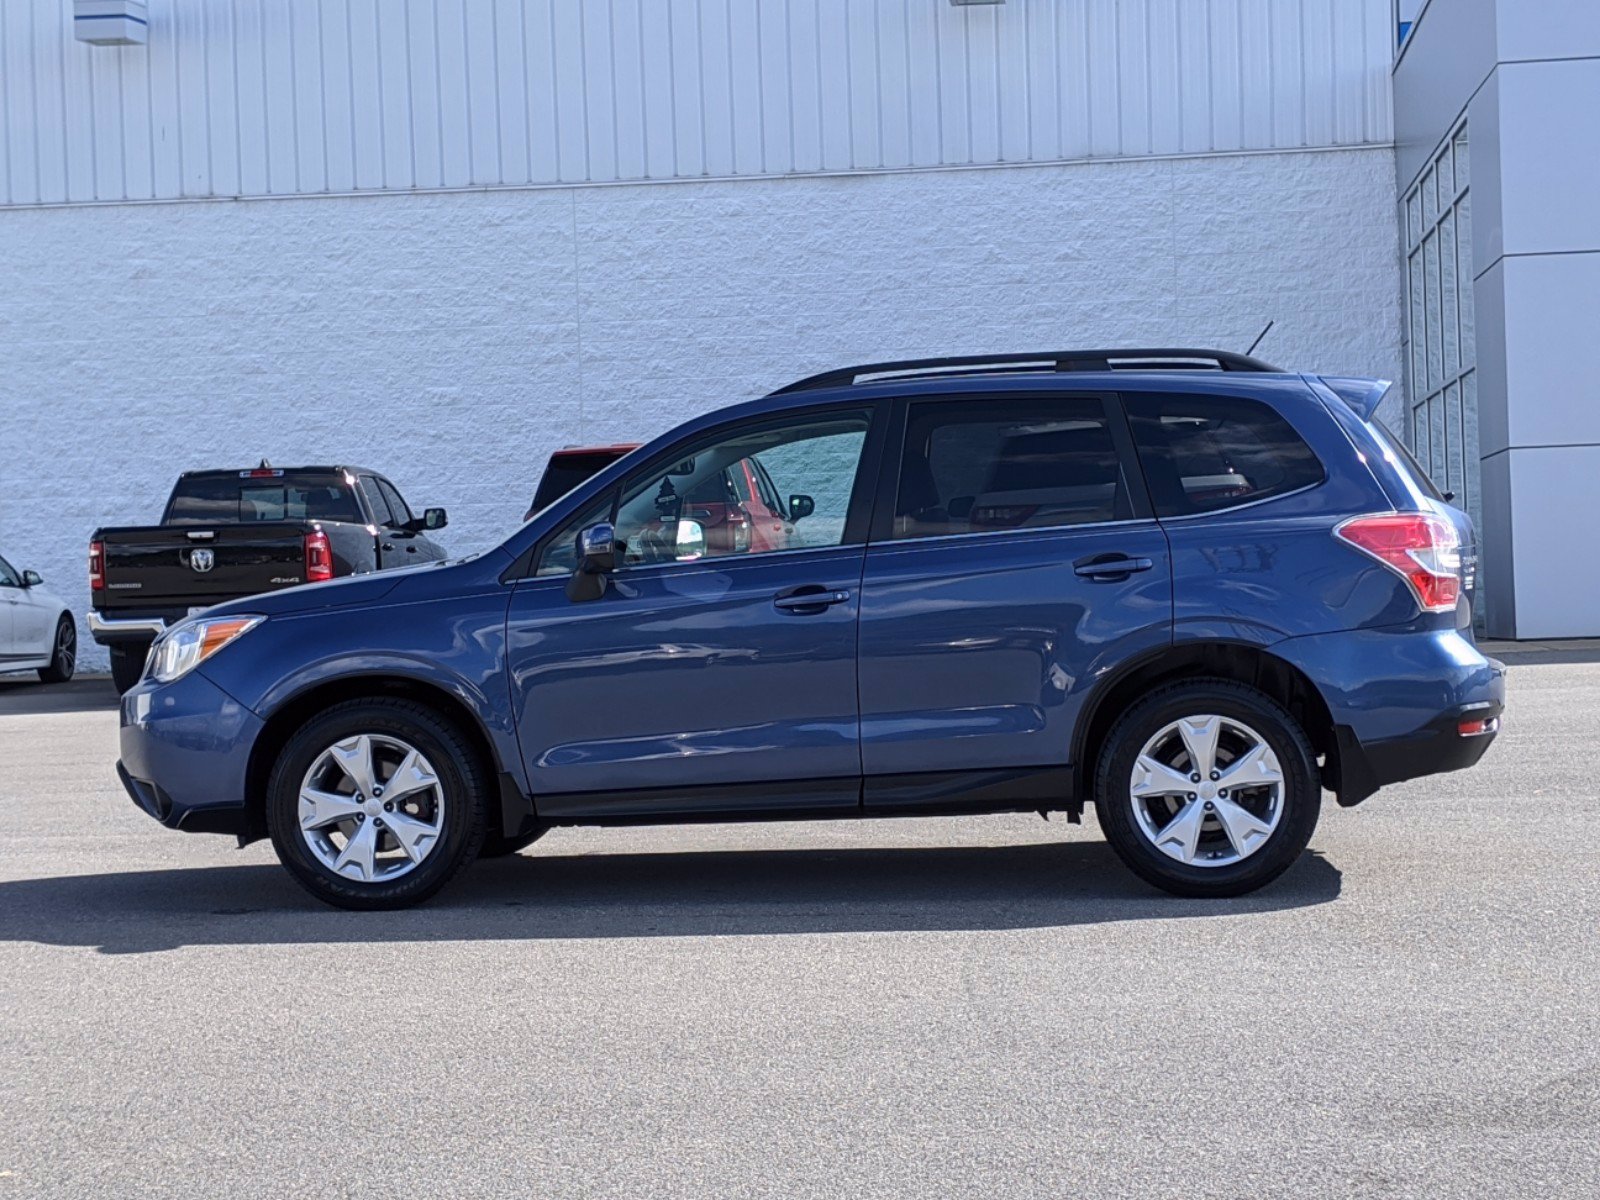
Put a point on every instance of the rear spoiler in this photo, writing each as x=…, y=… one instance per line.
x=1362, y=395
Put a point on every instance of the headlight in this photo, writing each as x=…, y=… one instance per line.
x=184, y=647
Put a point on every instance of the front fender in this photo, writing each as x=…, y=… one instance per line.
x=455, y=645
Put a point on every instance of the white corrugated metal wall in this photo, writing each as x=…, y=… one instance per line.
x=270, y=97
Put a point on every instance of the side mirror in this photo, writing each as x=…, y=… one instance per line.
x=597, y=558
x=691, y=541
x=31, y=579
x=434, y=518
x=801, y=506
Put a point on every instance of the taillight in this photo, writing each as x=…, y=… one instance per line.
x=1421, y=548
x=97, y=566
x=319, y=557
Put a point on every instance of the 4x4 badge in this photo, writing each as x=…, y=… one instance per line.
x=202, y=560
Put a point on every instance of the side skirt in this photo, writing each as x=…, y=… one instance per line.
x=943, y=793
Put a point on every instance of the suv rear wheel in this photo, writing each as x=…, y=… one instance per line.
x=377, y=804
x=1207, y=788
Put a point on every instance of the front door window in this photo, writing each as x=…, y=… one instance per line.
x=697, y=506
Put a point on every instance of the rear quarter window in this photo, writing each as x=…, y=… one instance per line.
x=1207, y=453
x=1401, y=455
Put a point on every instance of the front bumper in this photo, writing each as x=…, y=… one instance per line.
x=186, y=754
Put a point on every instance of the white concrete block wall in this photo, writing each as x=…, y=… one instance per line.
x=453, y=340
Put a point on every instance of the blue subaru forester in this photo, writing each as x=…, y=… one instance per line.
x=1181, y=585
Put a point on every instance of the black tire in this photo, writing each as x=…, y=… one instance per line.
x=64, y=658
x=1301, y=799
x=127, y=664
x=463, y=778
x=498, y=845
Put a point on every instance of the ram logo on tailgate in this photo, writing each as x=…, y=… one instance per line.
x=202, y=560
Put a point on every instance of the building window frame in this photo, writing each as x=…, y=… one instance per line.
x=1441, y=423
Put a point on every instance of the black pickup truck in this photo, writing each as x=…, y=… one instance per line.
x=227, y=534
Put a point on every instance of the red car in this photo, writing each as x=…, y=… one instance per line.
x=570, y=466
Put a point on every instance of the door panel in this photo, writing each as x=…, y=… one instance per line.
x=1014, y=559
x=11, y=598
x=35, y=631
x=9, y=602
x=692, y=675
x=977, y=651
x=714, y=673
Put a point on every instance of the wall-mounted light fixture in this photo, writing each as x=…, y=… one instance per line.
x=110, y=22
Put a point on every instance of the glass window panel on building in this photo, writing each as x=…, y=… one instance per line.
x=1449, y=294
x=1433, y=312
x=1469, y=355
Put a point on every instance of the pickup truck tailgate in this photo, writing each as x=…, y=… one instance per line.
x=199, y=565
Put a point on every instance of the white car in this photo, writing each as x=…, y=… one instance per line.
x=36, y=630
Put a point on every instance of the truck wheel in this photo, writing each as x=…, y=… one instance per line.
x=64, y=656
x=377, y=803
x=1207, y=788
x=127, y=664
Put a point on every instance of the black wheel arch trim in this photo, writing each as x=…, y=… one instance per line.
x=515, y=805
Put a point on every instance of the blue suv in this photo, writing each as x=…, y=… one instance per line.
x=1182, y=585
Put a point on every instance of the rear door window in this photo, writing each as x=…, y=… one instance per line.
x=1205, y=453
x=398, y=509
x=375, y=500
x=980, y=466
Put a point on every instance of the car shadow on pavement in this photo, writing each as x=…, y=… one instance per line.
x=690, y=894
x=21, y=696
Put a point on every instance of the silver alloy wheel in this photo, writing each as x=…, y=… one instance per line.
x=371, y=808
x=66, y=657
x=1207, y=791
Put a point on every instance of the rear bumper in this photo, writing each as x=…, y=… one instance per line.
x=1440, y=746
x=1398, y=701
x=185, y=754
x=112, y=631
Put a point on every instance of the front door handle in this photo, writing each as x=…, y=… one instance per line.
x=809, y=598
x=1111, y=566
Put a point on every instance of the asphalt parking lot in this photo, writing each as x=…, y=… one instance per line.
x=988, y=1007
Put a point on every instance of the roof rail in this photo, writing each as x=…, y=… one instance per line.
x=1049, y=360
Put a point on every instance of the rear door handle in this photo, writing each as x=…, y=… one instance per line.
x=809, y=598
x=1111, y=566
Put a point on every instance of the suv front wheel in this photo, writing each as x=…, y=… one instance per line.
x=1207, y=788
x=377, y=803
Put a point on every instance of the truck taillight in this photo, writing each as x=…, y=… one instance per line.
x=97, y=566
x=1421, y=548
x=319, y=557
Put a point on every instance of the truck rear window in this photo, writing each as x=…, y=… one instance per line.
x=232, y=500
